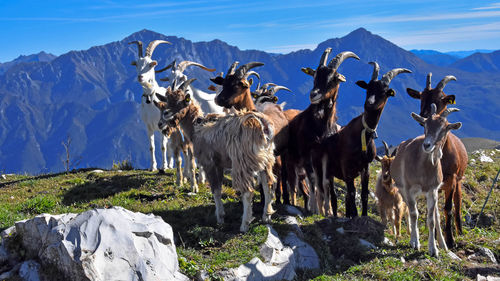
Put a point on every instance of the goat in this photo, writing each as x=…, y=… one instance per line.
x=347, y=154
x=417, y=169
x=389, y=200
x=150, y=114
x=454, y=161
x=317, y=121
x=240, y=140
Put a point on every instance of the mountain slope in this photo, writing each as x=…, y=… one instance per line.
x=480, y=62
x=435, y=57
x=93, y=96
x=40, y=57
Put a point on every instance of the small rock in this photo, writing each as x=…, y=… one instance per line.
x=453, y=256
x=479, y=277
x=305, y=255
x=488, y=253
x=29, y=271
x=387, y=242
x=340, y=230
x=191, y=194
x=98, y=171
x=402, y=260
x=293, y=211
x=4, y=177
x=202, y=275
x=295, y=224
x=366, y=244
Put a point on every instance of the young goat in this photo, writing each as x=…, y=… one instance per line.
x=390, y=202
x=417, y=169
x=240, y=140
x=454, y=161
x=347, y=154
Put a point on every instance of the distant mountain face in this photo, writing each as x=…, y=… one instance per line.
x=463, y=54
x=40, y=57
x=93, y=97
x=480, y=62
x=435, y=57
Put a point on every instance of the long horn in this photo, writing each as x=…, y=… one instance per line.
x=376, y=69
x=393, y=73
x=184, y=64
x=172, y=64
x=277, y=88
x=428, y=81
x=242, y=70
x=252, y=73
x=445, y=81
x=335, y=62
x=184, y=85
x=386, y=148
x=152, y=45
x=139, y=46
x=433, y=109
x=324, y=57
x=231, y=69
x=265, y=86
x=447, y=111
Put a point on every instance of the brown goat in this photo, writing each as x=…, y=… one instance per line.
x=347, y=154
x=390, y=203
x=454, y=161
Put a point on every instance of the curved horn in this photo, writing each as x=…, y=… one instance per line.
x=447, y=111
x=376, y=69
x=324, y=57
x=242, y=70
x=184, y=85
x=428, y=81
x=252, y=73
x=152, y=46
x=231, y=69
x=139, y=46
x=172, y=64
x=445, y=81
x=386, y=148
x=277, y=88
x=393, y=73
x=335, y=62
x=184, y=64
x=433, y=109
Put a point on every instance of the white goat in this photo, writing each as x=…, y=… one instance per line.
x=417, y=169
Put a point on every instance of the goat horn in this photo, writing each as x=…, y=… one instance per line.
x=393, y=73
x=139, y=46
x=242, y=70
x=433, y=109
x=232, y=68
x=172, y=64
x=277, y=88
x=324, y=57
x=152, y=45
x=386, y=148
x=428, y=81
x=445, y=81
x=447, y=111
x=184, y=85
x=265, y=86
x=173, y=84
x=335, y=62
x=184, y=64
x=252, y=73
x=376, y=69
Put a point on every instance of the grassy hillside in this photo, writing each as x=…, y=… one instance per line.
x=202, y=244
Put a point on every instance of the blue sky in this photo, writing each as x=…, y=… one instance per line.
x=276, y=26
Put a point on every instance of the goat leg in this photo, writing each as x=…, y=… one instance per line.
x=365, y=176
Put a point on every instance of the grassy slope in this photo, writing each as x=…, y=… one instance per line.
x=202, y=244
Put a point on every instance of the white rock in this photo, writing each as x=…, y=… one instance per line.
x=488, y=253
x=340, y=230
x=256, y=270
x=30, y=271
x=366, y=244
x=485, y=158
x=98, y=171
x=103, y=244
x=402, y=259
x=295, y=224
x=4, y=177
x=273, y=250
x=479, y=277
x=305, y=256
x=293, y=211
x=387, y=242
x=453, y=256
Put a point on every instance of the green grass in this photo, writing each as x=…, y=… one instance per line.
x=204, y=245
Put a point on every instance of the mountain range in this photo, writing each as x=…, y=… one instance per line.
x=93, y=97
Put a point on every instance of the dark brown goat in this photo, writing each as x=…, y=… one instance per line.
x=454, y=161
x=347, y=154
x=317, y=121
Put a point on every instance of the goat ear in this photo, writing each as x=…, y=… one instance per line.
x=212, y=88
x=450, y=99
x=133, y=63
x=245, y=83
x=161, y=97
x=217, y=80
x=454, y=126
x=391, y=93
x=308, y=71
x=250, y=81
x=362, y=84
x=418, y=118
x=153, y=63
x=378, y=158
x=413, y=93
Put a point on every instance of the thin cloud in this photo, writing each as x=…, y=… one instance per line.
x=492, y=6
